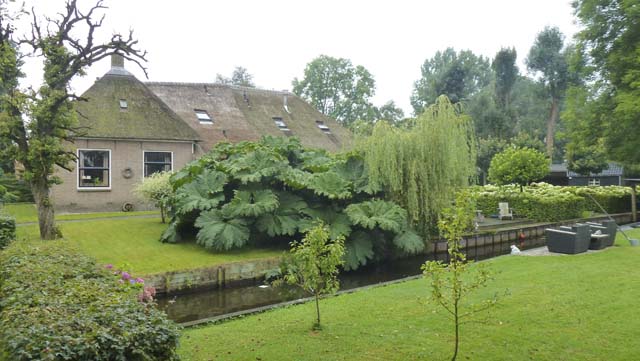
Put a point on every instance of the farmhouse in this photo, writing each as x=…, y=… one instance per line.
x=133, y=129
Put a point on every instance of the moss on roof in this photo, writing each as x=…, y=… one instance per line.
x=145, y=117
x=247, y=113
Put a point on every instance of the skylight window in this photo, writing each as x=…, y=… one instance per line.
x=282, y=125
x=123, y=104
x=325, y=129
x=203, y=116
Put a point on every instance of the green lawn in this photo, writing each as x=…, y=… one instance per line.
x=26, y=212
x=134, y=242
x=581, y=307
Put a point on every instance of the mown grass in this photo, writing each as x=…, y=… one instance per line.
x=134, y=243
x=26, y=212
x=581, y=307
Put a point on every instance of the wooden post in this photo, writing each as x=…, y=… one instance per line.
x=634, y=208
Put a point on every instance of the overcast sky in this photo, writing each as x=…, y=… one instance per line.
x=193, y=40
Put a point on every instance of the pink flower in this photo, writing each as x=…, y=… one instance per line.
x=126, y=276
x=139, y=280
x=108, y=266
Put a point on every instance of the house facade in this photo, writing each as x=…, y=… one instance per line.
x=133, y=129
x=559, y=175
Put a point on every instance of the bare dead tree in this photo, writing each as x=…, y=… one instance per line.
x=68, y=45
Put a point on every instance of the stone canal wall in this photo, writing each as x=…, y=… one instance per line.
x=479, y=246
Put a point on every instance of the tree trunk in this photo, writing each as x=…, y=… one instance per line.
x=317, y=310
x=457, y=321
x=46, y=220
x=551, y=125
x=162, y=213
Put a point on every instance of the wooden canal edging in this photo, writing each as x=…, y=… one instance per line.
x=477, y=246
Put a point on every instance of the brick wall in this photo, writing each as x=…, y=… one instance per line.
x=124, y=155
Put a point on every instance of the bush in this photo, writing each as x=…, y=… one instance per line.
x=7, y=230
x=156, y=189
x=56, y=304
x=518, y=165
x=544, y=202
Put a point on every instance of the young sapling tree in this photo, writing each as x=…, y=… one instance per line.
x=451, y=283
x=156, y=189
x=313, y=264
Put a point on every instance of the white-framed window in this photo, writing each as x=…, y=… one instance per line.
x=157, y=161
x=123, y=104
x=594, y=182
x=203, y=116
x=94, y=168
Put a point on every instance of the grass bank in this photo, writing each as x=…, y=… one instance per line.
x=26, y=213
x=579, y=307
x=134, y=244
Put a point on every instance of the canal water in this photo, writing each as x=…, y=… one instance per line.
x=206, y=304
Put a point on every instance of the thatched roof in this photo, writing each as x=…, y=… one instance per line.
x=145, y=115
x=240, y=113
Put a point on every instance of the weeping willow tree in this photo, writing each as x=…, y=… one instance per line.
x=421, y=167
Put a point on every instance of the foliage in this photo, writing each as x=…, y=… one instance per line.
x=337, y=89
x=271, y=191
x=67, y=45
x=58, y=305
x=518, y=165
x=547, y=57
x=7, y=230
x=156, y=189
x=17, y=189
x=605, y=112
x=456, y=75
x=506, y=72
x=421, y=167
x=546, y=203
x=313, y=264
x=239, y=77
x=452, y=282
x=390, y=112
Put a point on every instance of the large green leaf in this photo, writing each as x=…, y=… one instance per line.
x=251, y=203
x=294, y=178
x=409, y=241
x=353, y=169
x=286, y=219
x=203, y=193
x=330, y=185
x=219, y=233
x=251, y=167
x=358, y=250
x=378, y=213
x=171, y=235
x=316, y=161
x=338, y=222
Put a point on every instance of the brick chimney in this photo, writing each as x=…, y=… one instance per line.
x=117, y=61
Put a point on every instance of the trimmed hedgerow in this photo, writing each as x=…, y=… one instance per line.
x=56, y=304
x=544, y=202
x=7, y=230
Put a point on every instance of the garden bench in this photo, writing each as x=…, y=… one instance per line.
x=568, y=240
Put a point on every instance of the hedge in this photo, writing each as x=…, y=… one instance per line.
x=7, y=230
x=546, y=203
x=57, y=304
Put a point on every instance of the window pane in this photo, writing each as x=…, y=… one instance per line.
x=203, y=115
x=94, y=159
x=94, y=178
x=150, y=168
x=157, y=157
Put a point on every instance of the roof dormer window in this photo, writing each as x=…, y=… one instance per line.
x=203, y=116
x=123, y=104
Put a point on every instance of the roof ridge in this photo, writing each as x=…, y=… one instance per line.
x=220, y=85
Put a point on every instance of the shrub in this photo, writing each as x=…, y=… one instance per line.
x=544, y=202
x=518, y=165
x=7, y=230
x=56, y=304
x=156, y=189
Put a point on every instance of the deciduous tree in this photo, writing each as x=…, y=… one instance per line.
x=240, y=77
x=548, y=58
x=456, y=75
x=68, y=45
x=337, y=89
x=518, y=166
